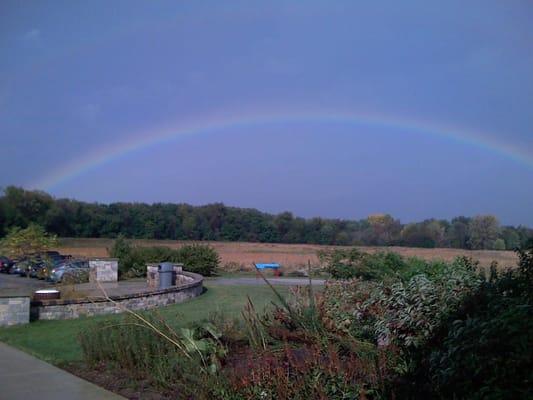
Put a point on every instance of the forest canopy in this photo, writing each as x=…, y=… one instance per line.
x=73, y=218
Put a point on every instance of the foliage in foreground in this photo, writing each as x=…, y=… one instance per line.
x=403, y=312
x=202, y=259
x=148, y=348
x=484, y=350
x=449, y=332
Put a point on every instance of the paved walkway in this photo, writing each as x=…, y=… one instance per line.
x=26, y=378
x=15, y=285
x=260, y=281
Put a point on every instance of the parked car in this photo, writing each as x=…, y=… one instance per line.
x=5, y=264
x=38, y=265
x=22, y=267
x=35, y=267
x=71, y=268
x=52, y=254
x=42, y=271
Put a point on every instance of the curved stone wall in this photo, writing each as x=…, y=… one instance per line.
x=70, y=309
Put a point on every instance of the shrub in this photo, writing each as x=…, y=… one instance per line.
x=202, y=259
x=121, y=248
x=487, y=355
x=400, y=311
x=341, y=264
x=483, y=350
x=352, y=263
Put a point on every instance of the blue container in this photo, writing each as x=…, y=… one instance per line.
x=267, y=265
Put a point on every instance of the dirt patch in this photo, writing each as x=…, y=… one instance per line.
x=118, y=382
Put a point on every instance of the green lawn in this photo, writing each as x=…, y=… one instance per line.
x=56, y=341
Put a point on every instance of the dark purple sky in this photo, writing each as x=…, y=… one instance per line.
x=449, y=87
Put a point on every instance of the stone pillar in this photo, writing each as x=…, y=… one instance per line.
x=14, y=310
x=178, y=268
x=152, y=274
x=103, y=270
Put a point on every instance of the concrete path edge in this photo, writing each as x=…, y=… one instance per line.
x=24, y=377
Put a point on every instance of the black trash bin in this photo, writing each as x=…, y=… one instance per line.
x=166, y=274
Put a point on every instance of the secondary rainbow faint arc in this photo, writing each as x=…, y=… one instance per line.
x=151, y=138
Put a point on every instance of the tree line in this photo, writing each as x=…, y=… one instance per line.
x=72, y=218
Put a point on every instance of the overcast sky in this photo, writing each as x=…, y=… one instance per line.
x=81, y=78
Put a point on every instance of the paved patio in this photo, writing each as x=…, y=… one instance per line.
x=14, y=285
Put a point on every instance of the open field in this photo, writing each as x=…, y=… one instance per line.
x=240, y=255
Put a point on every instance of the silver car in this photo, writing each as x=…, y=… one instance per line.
x=70, y=268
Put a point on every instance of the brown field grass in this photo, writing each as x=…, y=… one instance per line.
x=237, y=256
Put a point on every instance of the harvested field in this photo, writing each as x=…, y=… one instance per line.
x=238, y=256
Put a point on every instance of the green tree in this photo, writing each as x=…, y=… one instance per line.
x=430, y=233
x=499, y=244
x=21, y=207
x=72, y=218
x=28, y=243
x=384, y=229
x=483, y=231
x=511, y=238
x=458, y=232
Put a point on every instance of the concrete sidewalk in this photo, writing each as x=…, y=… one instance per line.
x=26, y=378
x=260, y=281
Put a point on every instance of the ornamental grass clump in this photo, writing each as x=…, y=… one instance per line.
x=151, y=350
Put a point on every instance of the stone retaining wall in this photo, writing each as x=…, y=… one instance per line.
x=14, y=310
x=70, y=309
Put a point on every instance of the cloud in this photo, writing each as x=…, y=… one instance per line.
x=33, y=34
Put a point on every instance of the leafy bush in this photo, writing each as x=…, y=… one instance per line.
x=413, y=310
x=484, y=350
x=353, y=263
x=427, y=330
x=487, y=355
x=201, y=259
x=198, y=258
x=402, y=312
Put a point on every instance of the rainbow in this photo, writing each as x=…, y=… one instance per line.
x=214, y=124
